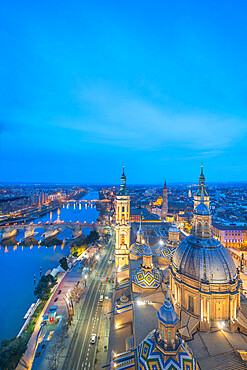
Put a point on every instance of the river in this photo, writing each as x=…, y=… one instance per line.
x=19, y=264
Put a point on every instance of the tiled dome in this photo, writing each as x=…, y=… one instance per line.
x=204, y=259
x=146, y=278
x=151, y=355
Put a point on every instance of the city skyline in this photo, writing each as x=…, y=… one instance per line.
x=156, y=87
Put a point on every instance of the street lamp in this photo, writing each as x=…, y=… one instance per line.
x=85, y=280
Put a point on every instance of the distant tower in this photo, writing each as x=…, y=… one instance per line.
x=122, y=225
x=164, y=209
x=201, y=190
x=189, y=193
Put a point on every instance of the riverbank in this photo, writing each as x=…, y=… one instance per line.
x=21, y=262
x=37, y=211
x=33, y=343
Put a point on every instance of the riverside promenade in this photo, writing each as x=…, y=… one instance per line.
x=65, y=282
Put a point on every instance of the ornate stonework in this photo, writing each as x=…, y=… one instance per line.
x=122, y=227
x=203, y=277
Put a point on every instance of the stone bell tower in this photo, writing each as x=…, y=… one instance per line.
x=122, y=227
x=164, y=209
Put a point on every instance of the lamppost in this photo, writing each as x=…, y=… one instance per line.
x=85, y=280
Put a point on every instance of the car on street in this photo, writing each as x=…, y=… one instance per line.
x=101, y=298
x=59, y=291
x=55, y=300
x=93, y=339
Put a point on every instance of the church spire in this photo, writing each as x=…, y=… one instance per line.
x=139, y=238
x=123, y=187
x=201, y=177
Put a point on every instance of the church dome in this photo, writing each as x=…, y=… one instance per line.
x=147, y=251
x=166, y=314
x=137, y=249
x=173, y=229
x=146, y=278
x=150, y=354
x=202, y=209
x=204, y=259
x=166, y=252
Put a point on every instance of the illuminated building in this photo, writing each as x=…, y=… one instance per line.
x=203, y=278
x=146, y=278
x=137, y=248
x=166, y=250
x=122, y=227
x=231, y=236
x=161, y=349
x=201, y=189
x=164, y=209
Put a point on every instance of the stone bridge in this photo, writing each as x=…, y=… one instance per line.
x=87, y=201
x=50, y=229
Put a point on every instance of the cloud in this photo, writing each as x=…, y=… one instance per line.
x=112, y=118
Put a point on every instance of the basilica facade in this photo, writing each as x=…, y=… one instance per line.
x=202, y=289
x=203, y=278
x=122, y=227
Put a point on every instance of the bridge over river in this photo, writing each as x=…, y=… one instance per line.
x=50, y=229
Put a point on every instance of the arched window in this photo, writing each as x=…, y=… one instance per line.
x=199, y=226
x=206, y=226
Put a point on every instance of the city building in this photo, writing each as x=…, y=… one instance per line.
x=231, y=236
x=122, y=225
x=203, y=278
x=164, y=209
x=137, y=248
x=161, y=349
x=146, y=278
x=165, y=251
x=202, y=307
x=201, y=189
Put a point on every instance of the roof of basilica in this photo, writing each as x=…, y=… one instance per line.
x=146, y=278
x=204, y=259
x=165, y=251
x=202, y=209
x=137, y=249
x=173, y=229
x=151, y=355
x=167, y=314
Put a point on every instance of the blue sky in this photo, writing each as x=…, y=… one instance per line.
x=87, y=86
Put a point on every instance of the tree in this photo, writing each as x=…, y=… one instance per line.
x=57, y=346
x=92, y=237
x=11, y=352
x=42, y=290
x=64, y=263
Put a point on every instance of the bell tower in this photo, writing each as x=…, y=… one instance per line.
x=201, y=189
x=122, y=225
x=164, y=209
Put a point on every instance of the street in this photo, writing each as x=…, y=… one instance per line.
x=81, y=354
